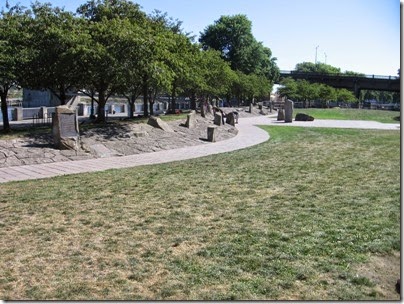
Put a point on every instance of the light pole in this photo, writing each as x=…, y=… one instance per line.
x=315, y=61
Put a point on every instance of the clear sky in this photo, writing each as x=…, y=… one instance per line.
x=355, y=35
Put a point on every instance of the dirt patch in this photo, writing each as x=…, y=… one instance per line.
x=383, y=271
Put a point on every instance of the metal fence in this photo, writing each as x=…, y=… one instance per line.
x=41, y=121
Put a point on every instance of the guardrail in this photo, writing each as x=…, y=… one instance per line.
x=339, y=75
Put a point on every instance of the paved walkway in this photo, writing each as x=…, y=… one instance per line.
x=249, y=135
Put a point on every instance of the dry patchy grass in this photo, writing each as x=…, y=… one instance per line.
x=293, y=218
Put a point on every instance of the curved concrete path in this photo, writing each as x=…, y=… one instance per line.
x=249, y=135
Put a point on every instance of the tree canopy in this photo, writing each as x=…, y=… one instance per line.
x=232, y=37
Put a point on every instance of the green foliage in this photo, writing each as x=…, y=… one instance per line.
x=232, y=37
x=309, y=67
x=12, y=57
x=112, y=47
x=306, y=91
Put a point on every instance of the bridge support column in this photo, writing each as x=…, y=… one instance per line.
x=357, y=90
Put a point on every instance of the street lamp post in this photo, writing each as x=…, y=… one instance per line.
x=315, y=61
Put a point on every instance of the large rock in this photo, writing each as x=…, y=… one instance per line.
x=303, y=117
x=230, y=119
x=288, y=110
x=212, y=133
x=191, y=120
x=218, y=119
x=156, y=122
x=65, y=129
x=281, y=115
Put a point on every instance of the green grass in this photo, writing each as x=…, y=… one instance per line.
x=353, y=114
x=291, y=218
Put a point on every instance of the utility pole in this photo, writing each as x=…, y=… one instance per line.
x=315, y=60
x=325, y=55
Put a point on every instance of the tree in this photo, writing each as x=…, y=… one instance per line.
x=309, y=67
x=232, y=37
x=112, y=34
x=326, y=94
x=55, y=47
x=12, y=55
x=345, y=95
x=288, y=88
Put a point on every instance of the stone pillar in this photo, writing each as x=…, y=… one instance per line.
x=281, y=115
x=212, y=133
x=82, y=109
x=18, y=114
x=230, y=119
x=203, y=109
x=209, y=108
x=124, y=108
x=288, y=110
x=218, y=119
x=191, y=120
x=65, y=129
x=43, y=113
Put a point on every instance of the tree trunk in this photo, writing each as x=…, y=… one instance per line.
x=132, y=101
x=193, y=101
x=151, y=105
x=145, y=101
x=101, y=118
x=173, y=100
x=63, y=96
x=6, y=122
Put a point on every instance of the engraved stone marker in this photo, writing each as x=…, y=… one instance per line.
x=65, y=129
x=281, y=115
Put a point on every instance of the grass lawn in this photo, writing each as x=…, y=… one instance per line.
x=353, y=114
x=302, y=216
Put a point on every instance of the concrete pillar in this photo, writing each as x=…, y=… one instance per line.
x=18, y=114
x=43, y=113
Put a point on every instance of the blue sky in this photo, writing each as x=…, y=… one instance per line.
x=355, y=35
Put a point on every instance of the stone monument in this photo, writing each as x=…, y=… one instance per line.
x=191, y=120
x=281, y=115
x=288, y=110
x=65, y=128
x=212, y=133
x=230, y=119
x=156, y=122
x=218, y=119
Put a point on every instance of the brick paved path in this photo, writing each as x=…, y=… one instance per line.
x=249, y=135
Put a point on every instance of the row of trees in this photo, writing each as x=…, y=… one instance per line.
x=307, y=92
x=302, y=90
x=111, y=47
